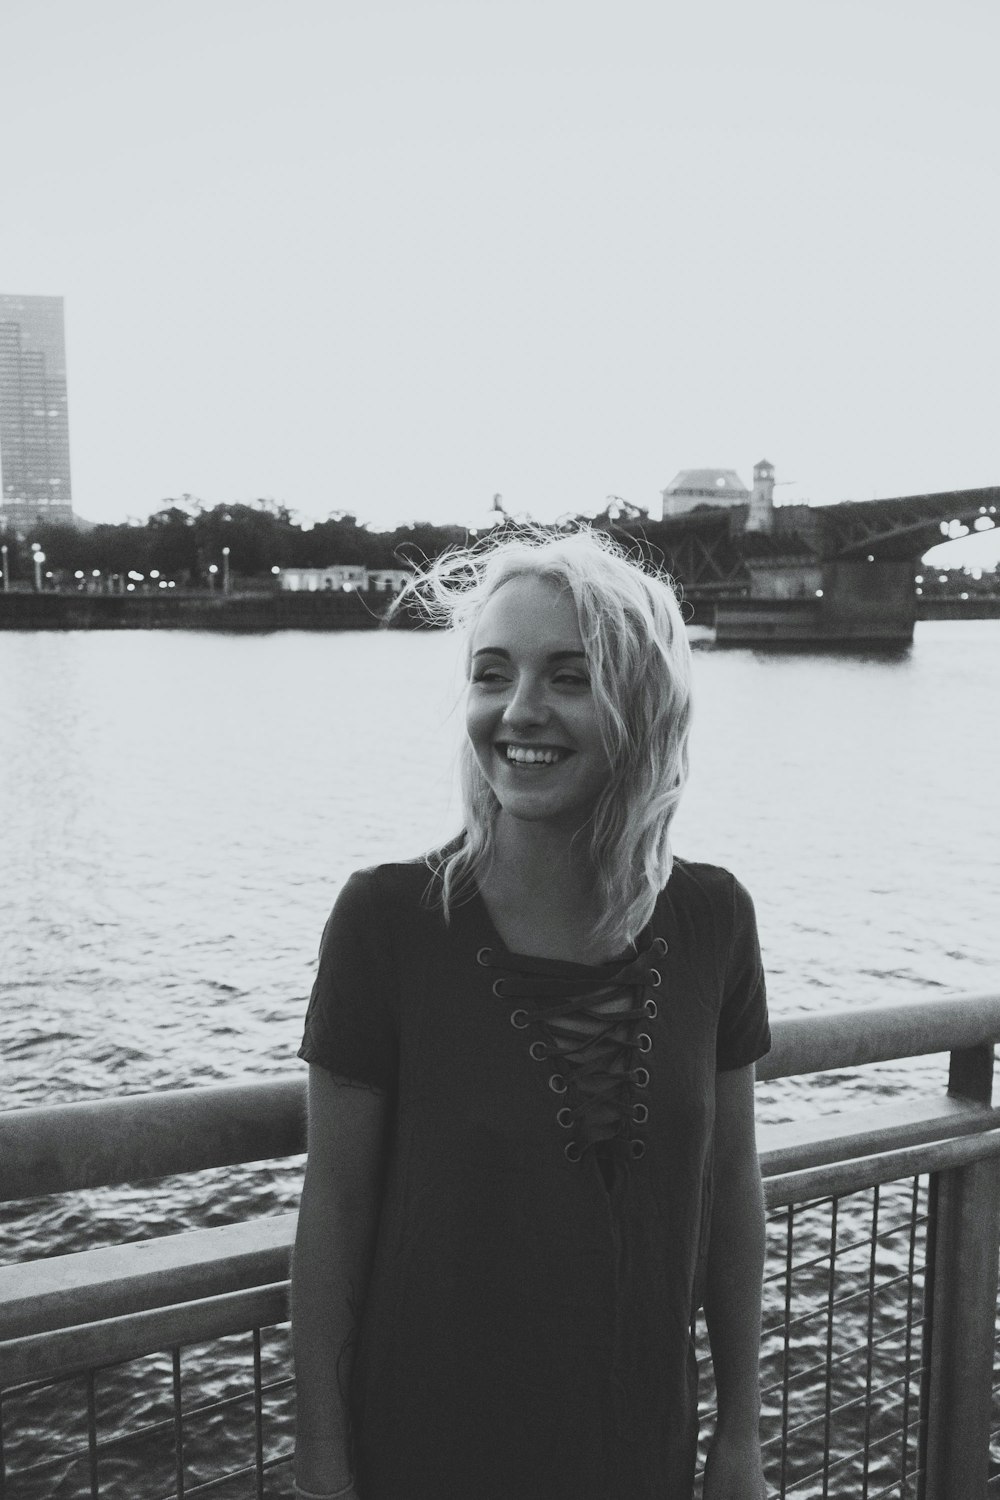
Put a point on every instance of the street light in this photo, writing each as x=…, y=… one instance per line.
x=212, y=570
x=225, y=570
x=38, y=558
x=6, y=574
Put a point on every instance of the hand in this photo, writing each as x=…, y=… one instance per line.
x=734, y=1470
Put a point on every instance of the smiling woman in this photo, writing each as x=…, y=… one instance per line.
x=531, y=1150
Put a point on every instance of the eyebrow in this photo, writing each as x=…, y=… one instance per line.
x=552, y=656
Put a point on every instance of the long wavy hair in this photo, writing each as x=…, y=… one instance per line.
x=640, y=669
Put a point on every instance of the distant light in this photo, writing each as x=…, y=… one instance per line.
x=225, y=551
x=983, y=523
x=96, y=573
x=275, y=570
x=212, y=568
x=942, y=578
x=133, y=574
x=154, y=572
x=919, y=591
x=919, y=578
x=977, y=573
x=819, y=593
x=79, y=573
x=162, y=583
x=130, y=588
x=49, y=575
x=871, y=557
x=39, y=557
x=963, y=596
x=171, y=584
x=348, y=588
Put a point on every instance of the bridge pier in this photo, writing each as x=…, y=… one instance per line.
x=795, y=601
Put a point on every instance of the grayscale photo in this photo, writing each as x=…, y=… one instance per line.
x=499, y=722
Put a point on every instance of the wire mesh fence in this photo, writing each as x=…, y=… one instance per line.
x=842, y=1368
x=212, y=1419
x=842, y=1346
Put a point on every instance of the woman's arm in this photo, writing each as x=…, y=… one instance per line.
x=733, y=1293
x=334, y=1244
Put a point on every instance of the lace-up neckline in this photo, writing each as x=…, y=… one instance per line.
x=587, y=1028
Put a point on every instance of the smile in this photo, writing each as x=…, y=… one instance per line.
x=534, y=755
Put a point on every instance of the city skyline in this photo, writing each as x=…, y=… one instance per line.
x=395, y=259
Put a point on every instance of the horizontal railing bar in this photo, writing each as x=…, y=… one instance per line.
x=70, y=1146
x=865, y=1034
x=92, y=1285
x=842, y=1178
x=116, y=1341
x=64, y=1147
x=893, y=1124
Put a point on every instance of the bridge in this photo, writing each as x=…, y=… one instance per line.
x=841, y=572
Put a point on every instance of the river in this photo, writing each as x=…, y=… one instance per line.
x=178, y=811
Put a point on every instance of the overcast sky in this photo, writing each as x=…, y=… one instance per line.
x=394, y=256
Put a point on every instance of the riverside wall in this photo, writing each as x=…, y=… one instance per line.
x=245, y=611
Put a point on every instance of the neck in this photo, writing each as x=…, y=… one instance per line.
x=538, y=859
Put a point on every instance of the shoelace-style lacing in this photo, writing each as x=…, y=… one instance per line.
x=590, y=1029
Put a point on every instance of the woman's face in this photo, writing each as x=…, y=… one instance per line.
x=530, y=714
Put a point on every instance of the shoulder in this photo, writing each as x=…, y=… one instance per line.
x=377, y=893
x=709, y=885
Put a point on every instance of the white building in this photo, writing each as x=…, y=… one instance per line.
x=343, y=577
x=695, y=487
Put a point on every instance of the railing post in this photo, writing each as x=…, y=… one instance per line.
x=963, y=1255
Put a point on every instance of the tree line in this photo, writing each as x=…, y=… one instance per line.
x=184, y=539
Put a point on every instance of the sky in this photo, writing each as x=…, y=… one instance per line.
x=394, y=257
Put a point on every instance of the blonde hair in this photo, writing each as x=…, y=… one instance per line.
x=640, y=668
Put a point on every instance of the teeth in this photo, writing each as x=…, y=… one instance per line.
x=524, y=757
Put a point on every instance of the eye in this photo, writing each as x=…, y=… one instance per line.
x=573, y=679
x=489, y=676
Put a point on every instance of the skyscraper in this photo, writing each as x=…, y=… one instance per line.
x=34, y=422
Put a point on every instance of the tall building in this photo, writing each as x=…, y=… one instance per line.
x=34, y=422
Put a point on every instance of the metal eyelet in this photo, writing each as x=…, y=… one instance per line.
x=644, y=1041
x=652, y=1009
x=640, y=1113
x=514, y=1019
x=557, y=1083
x=660, y=944
x=484, y=962
x=637, y=1148
x=498, y=989
x=640, y=1077
x=564, y=1117
x=655, y=978
x=572, y=1151
x=538, y=1051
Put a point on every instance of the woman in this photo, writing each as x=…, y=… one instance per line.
x=531, y=1129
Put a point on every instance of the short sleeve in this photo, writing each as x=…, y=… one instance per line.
x=743, y=1035
x=351, y=1026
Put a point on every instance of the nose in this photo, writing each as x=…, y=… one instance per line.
x=526, y=706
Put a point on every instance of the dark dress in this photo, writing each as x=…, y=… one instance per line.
x=543, y=1235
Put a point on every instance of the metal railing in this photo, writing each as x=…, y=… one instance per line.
x=164, y=1363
